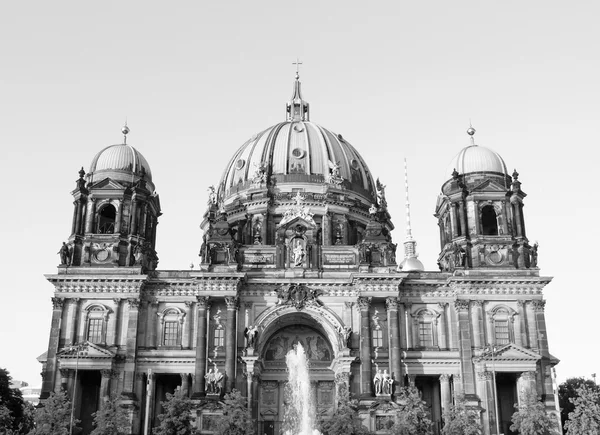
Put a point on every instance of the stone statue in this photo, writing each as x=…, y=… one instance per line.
x=210, y=385
x=218, y=381
x=298, y=255
x=381, y=194
x=212, y=196
x=346, y=336
x=386, y=383
x=65, y=255
x=377, y=382
x=534, y=255
x=137, y=254
x=372, y=210
x=459, y=256
x=251, y=334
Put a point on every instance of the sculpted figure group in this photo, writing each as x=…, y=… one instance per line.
x=383, y=383
x=214, y=381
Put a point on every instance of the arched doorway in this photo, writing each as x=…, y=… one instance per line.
x=291, y=328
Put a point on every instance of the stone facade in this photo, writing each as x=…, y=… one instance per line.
x=297, y=256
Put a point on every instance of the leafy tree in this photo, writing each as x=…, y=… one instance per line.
x=412, y=417
x=53, y=418
x=568, y=390
x=345, y=420
x=111, y=419
x=585, y=418
x=177, y=415
x=11, y=404
x=531, y=418
x=236, y=418
x=460, y=420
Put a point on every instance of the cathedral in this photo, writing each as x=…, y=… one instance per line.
x=297, y=248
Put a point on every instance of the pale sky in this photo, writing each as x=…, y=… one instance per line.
x=398, y=79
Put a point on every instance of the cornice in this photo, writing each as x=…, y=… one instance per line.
x=106, y=284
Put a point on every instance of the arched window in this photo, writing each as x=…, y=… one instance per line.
x=489, y=221
x=502, y=325
x=96, y=319
x=219, y=339
x=426, y=329
x=171, y=321
x=106, y=219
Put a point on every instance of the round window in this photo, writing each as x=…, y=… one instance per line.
x=239, y=164
x=298, y=153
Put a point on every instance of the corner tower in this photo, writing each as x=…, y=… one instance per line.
x=480, y=214
x=116, y=212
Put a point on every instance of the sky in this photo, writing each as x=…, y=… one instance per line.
x=397, y=79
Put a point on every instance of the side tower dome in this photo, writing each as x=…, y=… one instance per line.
x=297, y=180
x=480, y=213
x=116, y=212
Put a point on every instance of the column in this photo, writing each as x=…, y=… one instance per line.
x=409, y=326
x=78, y=217
x=394, y=335
x=119, y=217
x=134, y=221
x=526, y=385
x=149, y=401
x=531, y=326
x=144, y=213
x=230, y=342
x=152, y=323
x=51, y=363
x=515, y=321
x=264, y=229
x=463, y=219
x=545, y=369
x=326, y=229
x=477, y=333
x=516, y=206
x=73, y=314
x=486, y=394
x=117, y=322
x=466, y=352
x=453, y=220
x=105, y=384
x=186, y=342
x=91, y=211
x=443, y=326
x=342, y=387
x=457, y=384
x=74, y=225
x=200, y=367
x=402, y=325
x=477, y=217
x=365, y=346
x=130, y=345
x=445, y=392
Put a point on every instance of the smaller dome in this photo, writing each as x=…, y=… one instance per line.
x=475, y=158
x=411, y=264
x=121, y=158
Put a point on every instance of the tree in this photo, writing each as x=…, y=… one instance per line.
x=568, y=390
x=111, y=419
x=460, y=420
x=177, y=415
x=345, y=420
x=412, y=417
x=236, y=418
x=11, y=404
x=53, y=418
x=531, y=418
x=585, y=418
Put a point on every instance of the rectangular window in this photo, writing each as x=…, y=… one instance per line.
x=501, y=332
x=170, y=334
x=219, y=337
x=95, y=331
x=425, y=334
x=377, y=338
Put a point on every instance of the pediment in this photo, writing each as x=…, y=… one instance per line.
x=489, y=186
x=509, y=353
x=107, y=184
x=306, y=222
x=87, y=351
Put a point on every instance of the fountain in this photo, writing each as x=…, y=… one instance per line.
x=298, y=419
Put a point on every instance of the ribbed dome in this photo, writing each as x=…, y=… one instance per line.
x=119, y=160
x=475, y=158
x=297, y=152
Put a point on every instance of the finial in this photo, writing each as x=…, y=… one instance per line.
x=471, y=132
x=297, y=63
x=81, y=172
x=125, y=131
x=515, y=175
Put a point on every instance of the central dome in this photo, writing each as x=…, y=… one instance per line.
x=297, y=152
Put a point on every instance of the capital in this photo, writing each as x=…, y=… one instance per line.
x=461, y=304
x=391, y=304
x=538, y=305
x=363, y=303
x=444, y=377
x=484, y=376
x=528, y=376
x=342, y=378
x=202, y=302
x=57, y=302
x=232, y=302
x=133, y=303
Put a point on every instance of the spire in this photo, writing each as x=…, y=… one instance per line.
x=125, y=131
x=297, y=108
x=410, y=263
